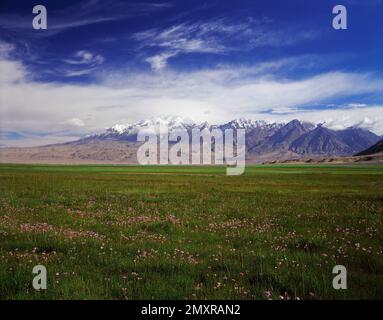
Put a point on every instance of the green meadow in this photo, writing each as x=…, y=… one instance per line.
x=163, y=232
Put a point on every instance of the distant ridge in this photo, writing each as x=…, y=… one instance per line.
x=376, y=148
x=294, y=137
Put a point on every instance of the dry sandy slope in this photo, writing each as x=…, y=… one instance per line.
x=97, y=152
x=372, y=159
x=124, y=152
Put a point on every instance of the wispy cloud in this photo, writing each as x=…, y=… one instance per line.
x=217, y=36
x=81, y=63
x=85, y=57
x=83, y=13
x=371, y=3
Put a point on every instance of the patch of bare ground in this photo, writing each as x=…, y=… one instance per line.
x=43, y=227
x=143, y=219
x=144, y=236
x=30, y=256
x=84, y=214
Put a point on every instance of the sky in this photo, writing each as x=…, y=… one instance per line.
x=101, y=63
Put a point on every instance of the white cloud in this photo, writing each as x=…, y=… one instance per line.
x=76, y=122
x=214, y=95
x=357, y=105
x=5, y=49
x=159, y=62
x=11, y=70
x=283, y=110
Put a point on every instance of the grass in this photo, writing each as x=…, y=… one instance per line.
x=127, y=232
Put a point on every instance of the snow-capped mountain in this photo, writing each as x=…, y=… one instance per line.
x=261, y=137
x=129, y=131
x=174, y=123
x=264, y=141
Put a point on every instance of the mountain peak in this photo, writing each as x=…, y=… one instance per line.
x=244, y=123
x=294, y=123
x=284, y=136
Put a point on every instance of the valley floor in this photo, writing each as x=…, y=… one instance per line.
x=129, y=232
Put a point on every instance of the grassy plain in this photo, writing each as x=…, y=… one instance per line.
x=128, y=232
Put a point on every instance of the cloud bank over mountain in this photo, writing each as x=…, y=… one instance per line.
x=52, y=109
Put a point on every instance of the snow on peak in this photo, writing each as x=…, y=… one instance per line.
x=244, y=123
x=177, y=122
x=172, y=122
x=120, y=128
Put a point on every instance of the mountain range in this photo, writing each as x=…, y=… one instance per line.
x=264, y=142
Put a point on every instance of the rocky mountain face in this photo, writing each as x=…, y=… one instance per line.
x=309, y=140
x=281, y=139
x=320, y=141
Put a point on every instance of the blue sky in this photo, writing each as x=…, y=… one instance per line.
x=105, y=62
